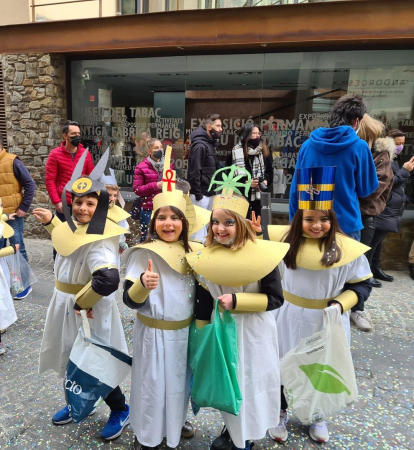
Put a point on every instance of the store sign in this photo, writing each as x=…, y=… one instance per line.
x=389, y=92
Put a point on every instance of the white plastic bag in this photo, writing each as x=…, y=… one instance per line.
x=318, y=375
x=21, y=275
x=94, y=370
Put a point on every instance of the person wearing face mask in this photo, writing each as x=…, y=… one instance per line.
x=202, y=163
x=390, y=219
x=340, y=146
x=252, y=154
x=148, y=182
x=61, y=163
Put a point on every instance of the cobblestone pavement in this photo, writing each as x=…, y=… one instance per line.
x=384, y=361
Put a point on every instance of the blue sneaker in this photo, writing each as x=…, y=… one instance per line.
x=24, y=294
x=117, y=421
x=62, y=417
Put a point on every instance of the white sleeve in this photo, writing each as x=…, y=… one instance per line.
x=103, y=254
x=358, y=270
x=137, y=264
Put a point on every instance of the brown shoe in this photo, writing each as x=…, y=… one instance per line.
x=411, y=267
x=187, y=431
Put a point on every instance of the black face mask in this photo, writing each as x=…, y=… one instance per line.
x=157, y=154
x=75, y=141
x=253, y=143
x=215, y=134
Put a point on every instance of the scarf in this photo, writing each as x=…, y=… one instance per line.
x=158, y=166
x=257, y=166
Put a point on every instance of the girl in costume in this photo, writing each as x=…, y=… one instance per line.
x=87, y=276
x=234, y=270
x=322, y=267
x=160, y=285
x=7, y=311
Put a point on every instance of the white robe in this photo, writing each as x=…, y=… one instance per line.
x=62, y=323
x=7, y=311
x=258, y=371
x=160, y=379
x=295, y=323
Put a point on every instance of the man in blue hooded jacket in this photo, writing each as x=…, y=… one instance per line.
x=340, y=146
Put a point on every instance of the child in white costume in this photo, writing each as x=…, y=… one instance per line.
x=87, y=276
x=323, y=267
x=241, y=272
x=160, y=285
x=7, y=311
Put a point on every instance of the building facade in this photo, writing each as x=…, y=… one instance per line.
x=133, y=76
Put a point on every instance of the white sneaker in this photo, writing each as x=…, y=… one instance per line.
x=360, y=321
x=279, y=433
x=318, y=432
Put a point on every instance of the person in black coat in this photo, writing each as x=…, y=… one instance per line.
x=390, y=219
x=251, y=153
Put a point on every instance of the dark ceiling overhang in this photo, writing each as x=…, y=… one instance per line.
x=342, y=25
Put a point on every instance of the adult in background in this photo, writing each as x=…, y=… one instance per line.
x=202, y=163
x=383, y=150
x=60, y=165
x=340, y=146
x=390, y=219
x=17, y=189
x=148, y=182
x=251, y=153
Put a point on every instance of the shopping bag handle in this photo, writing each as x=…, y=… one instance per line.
x=85, y=323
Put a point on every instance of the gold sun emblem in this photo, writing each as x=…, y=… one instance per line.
x=82, y=185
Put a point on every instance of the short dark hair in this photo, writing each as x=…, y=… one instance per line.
x=66, y=126
x=346, y=110
x=211, y=118
x=391, y=133
x=1, y=140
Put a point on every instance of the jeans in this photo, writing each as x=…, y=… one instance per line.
x=18, y=226
x=144, y=219
x=62, y=218
x=355, y=235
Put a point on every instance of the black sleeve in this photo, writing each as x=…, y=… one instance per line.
x=105, y=281
x=272, y=287
x=400, y=178
x=361, y=289
x=204, y=303
x=127, y=299
x=195, y=169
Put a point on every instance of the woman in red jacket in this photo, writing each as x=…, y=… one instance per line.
x=147, y=182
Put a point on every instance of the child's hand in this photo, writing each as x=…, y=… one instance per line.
x=226, y=301
x=12, y=216
x=89, y=314
x=150, y=279
x=42, y=215
x=17, y=246
x=255, y=223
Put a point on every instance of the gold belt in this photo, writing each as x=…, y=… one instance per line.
x=68, y=288
x=164, y=324
x=309, y=303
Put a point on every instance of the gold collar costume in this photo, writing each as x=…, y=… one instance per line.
x=223, y=266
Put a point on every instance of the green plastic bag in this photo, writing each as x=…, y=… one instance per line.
x=214, y=360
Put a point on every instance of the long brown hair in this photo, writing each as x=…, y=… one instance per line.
x=245, y=231
x=152, y=234
x=245, y=133
x=331, y=251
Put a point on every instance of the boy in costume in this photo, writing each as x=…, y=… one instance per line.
x=322, y=267
x=87, y=276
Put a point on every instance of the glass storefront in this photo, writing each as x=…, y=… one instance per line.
x=121, y=103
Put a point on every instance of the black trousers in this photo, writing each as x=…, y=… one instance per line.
x=376, y=247
x=116, y=400
x=283, y=402
x=367, y=233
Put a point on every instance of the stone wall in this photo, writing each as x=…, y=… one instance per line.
x=35, y=99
